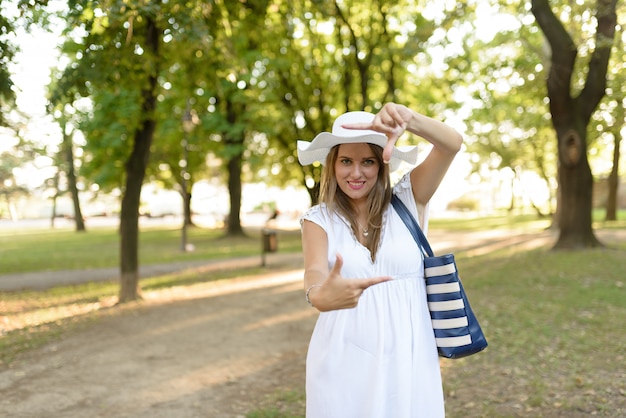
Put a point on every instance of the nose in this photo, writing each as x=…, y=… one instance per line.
x=356, y=171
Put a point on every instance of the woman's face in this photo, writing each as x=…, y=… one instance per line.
x=356, y=170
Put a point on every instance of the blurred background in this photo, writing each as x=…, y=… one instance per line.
x=196, y=107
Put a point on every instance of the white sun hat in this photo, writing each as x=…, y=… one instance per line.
x=318, y=149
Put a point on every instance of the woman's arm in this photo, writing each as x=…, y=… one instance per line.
x=315, y=251
x=331, y=290
x=427, y=176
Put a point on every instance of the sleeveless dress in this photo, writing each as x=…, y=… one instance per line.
x=379, y=359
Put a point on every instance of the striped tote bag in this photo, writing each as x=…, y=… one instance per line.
x=457, y=331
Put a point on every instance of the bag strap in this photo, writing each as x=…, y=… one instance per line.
x=412, y=225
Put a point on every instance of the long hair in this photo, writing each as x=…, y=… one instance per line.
x=377, y=201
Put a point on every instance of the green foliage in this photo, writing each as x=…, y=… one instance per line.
x=334, y=58
x=508, y=127
x=111, y=66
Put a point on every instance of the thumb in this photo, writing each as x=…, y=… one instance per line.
x=336, y=270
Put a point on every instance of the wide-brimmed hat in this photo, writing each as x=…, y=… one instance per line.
x=318, y=149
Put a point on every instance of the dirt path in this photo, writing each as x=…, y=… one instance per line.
x=207, y=350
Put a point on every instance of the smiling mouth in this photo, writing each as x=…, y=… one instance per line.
x=356, y=185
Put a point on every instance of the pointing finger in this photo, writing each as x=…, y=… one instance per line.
x=364, y=284
x=358, y=126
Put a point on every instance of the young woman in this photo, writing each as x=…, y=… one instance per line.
x=372, y=352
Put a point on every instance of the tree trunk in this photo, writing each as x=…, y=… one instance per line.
x=53, y=216
x=235, y=146
x=55, y=186
x=234, y=188
x=129, y=217
x=71, y=180
x=314, y=193
x=185, y=195
x=187, y=209
x=576, y=186
x=129, y=223
x=613, y=184
x=135, y=174
x=616, y=130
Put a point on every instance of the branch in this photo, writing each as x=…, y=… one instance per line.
x=563, y=56
x=562, y=45
x=595, y=84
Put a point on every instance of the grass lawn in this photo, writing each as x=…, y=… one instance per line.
x=552, y=321
x=32, y=250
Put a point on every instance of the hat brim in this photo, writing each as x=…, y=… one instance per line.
x=318, y=149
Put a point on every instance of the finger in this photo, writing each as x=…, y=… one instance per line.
x=388, y=150
x=336, y=270
x=376, y=125
x=396, y=117
x=365, y=283
x=383, y=120
x=357, y=126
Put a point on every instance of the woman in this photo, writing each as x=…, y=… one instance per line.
x=372, y=352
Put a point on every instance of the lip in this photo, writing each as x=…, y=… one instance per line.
x=356, y=185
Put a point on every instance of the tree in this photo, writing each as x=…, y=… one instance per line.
x=180, y=136
x=148, y=26
x=571, y=113
x=117, y=66
x=235, y=53
x=67, y=152
x=64, y=160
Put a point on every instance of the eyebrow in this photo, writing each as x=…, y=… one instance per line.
x=373, y=157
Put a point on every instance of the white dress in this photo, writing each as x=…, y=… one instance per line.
x=379, y=359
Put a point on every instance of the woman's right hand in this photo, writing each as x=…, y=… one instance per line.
x=337, y=292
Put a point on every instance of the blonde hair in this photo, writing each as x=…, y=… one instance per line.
x=377, y=201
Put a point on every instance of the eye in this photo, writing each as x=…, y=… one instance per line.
x=345, y=161
x=369, y=161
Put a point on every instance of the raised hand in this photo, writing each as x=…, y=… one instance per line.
x=391, y=120
x=338, y=292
